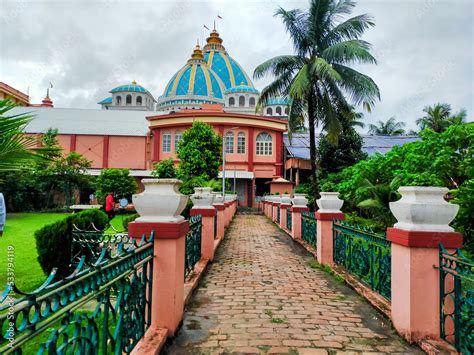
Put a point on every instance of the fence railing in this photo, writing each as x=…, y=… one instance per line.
x=308, y=228
x=104, y=307
x=215, y=226
x=365, y=254
x=289, y=219
x=193, y=244
x=278, y=214
x=456, y=277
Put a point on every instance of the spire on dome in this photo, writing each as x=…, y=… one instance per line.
x=47, y=102
x=197, y=54
x=214, y=41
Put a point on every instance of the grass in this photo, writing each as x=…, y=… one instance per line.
x=19, y=233
x=313, y=264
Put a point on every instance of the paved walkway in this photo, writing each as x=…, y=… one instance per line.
x=265, y=294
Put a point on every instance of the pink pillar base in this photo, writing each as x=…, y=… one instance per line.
x=207, y=233
x=296, y=221
x=168, y=271
x=220, y=207
x=275, y=212
x=324, y=236
x=415, y=281
x=283, y=209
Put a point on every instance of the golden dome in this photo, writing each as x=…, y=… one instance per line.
x=197, y=53
x=214, y=42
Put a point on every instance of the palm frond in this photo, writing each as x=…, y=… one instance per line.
x=351, y=51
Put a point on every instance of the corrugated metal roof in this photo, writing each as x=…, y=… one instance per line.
x=85, y=121
x=299, y=147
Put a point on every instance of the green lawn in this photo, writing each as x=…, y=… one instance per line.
x=19, y=232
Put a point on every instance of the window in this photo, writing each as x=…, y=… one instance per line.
x=252, y=102
x=264, y=144
x=229, y=142
x=166, y=142
x=269, y=111
x=241, y=101
x=286, y=110
x=129, y=99
x=278, y=110
x=241, y=143
x=178, y=137
x=139, y=100
x=231, y=102
x=118, y=100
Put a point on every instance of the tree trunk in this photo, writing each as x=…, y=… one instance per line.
x=312, y=147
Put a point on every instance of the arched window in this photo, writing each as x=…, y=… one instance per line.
x=166, y=142
x=118, y=100
x=139, y=100
x=178, y=137
x=269, y=111
x=287, y=110
x=229, y=142
x=264, y=144
x=241, y=143
x=252, y=102
x=278, y=110
x=231, y=101
x=128, y=100
x=241, y=101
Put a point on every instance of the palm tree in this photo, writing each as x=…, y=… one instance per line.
x=318, y=76
x=438, y=117
x=389, y=128
x=16, y=148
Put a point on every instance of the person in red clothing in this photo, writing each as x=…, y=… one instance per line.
x=110, y=206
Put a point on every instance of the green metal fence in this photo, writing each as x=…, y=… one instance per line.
x=278, y=214
x=308, y=228
x=289, y=219
x=456, y=276
x=365, y=254
x=104, y=307
x=215, y=226
x=193, y=244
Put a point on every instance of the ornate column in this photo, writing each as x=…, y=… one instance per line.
x=329, y=209
x=284, y=205
x=202, y=201
x=159, y=207
x=423, y=222
x=300, y=204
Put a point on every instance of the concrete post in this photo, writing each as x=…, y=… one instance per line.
x=300, y=203
x=202, y=200
x=423, y=217
x=220, y=207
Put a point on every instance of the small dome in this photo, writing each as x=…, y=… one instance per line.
x=278, y=101
x=106, y=101
x=133, y=87
x=241, y=88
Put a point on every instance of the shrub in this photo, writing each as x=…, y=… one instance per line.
x=54, y=241
x=130, y=218
x=117, y=181
x=165, y=169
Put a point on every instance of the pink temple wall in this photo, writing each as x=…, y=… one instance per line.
x=127, y=152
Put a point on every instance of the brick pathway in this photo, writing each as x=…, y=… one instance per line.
x=264, y=294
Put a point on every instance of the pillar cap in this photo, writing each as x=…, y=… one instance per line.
x=329, y=216
x=285, y=205
x=424, y=239
x=163, y=230
x=299, y=209
x=219, y=206
x=205, y=212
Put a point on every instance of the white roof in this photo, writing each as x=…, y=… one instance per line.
x=87, y=121
x=239, y=174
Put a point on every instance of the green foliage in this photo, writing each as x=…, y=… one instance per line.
x=439, y=159
x=199, y=152
x=54, y=241
x=116, y=181
x=389, y=128
x=165, y=169
x=318, y=77
x=464, y=222
x=347, y=152
x=438, y=117
x=129, y=218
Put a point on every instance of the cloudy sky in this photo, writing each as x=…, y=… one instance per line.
x=425, y=48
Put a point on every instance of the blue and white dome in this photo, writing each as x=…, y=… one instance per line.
x=192, y=85
x=228, y=70
x=242, y=88
x=133, y=87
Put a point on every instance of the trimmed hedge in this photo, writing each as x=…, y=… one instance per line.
x=130, y=218
x=53, y=241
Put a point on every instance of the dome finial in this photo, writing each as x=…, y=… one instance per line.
x=134, y=82
x=197, y=53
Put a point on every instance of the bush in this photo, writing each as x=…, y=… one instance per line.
x=165, y=169
x=54, y=241
x=117, y=181
x=130, y=218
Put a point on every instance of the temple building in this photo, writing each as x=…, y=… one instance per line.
x=134, y=130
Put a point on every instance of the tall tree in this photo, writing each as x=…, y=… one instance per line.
x=389, y=128
x=318, y=76
x=438, y=117
x=16, y=148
